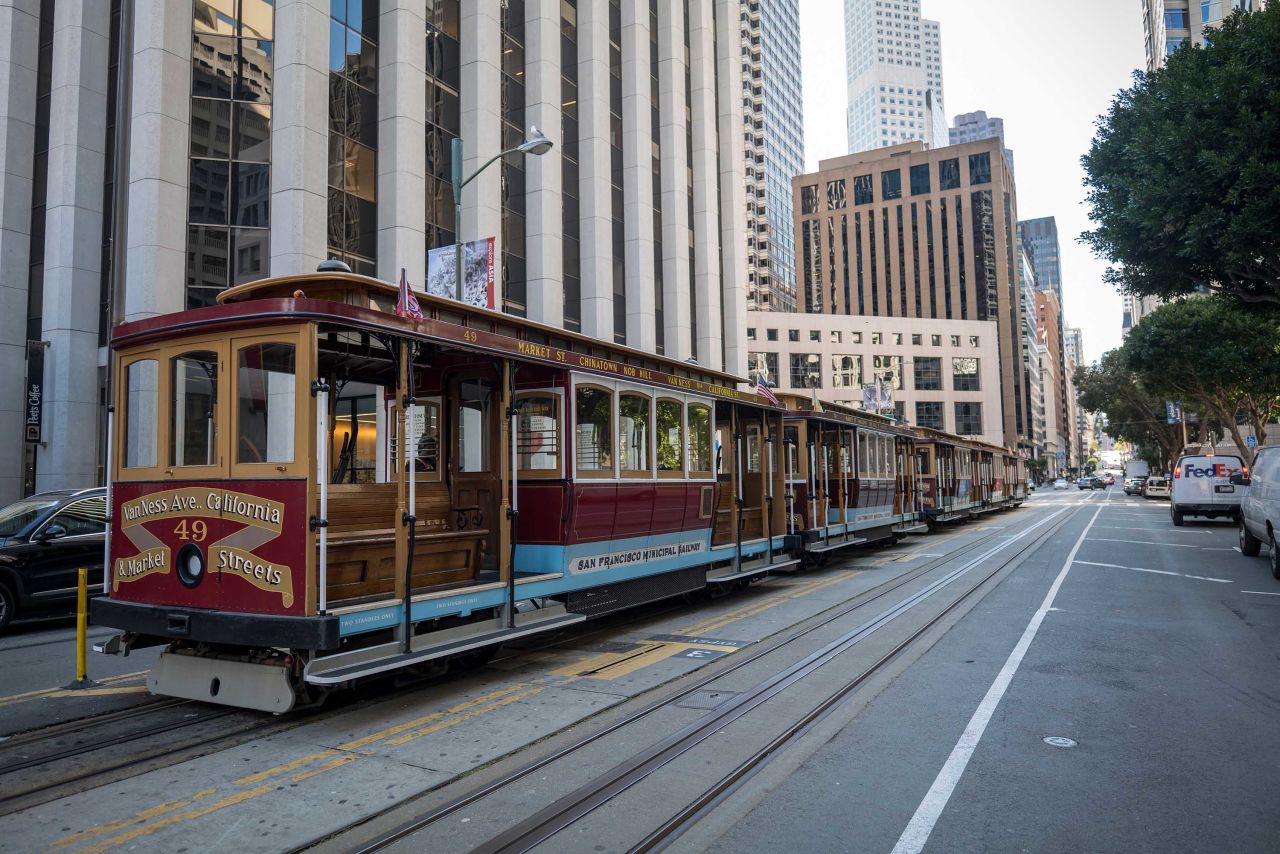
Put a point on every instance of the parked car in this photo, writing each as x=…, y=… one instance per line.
x=1061, y=483
x=1202, y=487
x=1260, y=505
x=1157, y=487
x=44, y=541
x=1133, y=485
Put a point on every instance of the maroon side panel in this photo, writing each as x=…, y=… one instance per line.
x=544, y=511
x=671, y=507
x=250, y=538
x=635, y=510
x=591, y=517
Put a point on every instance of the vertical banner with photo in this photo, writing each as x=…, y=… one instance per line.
x=477, y=272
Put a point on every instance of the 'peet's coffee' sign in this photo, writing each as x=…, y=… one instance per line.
x=33, y=392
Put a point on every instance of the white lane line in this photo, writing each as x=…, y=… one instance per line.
x=1260, y=593
x=917, y=832
x=1155, y=571
x=1143, y=543
x=1174, y=531
x=1236, y=549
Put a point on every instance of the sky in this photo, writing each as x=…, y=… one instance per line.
x=1049, y=69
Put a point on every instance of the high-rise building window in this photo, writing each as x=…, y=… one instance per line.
x=835, y=194
x=809, y=199
x=443, y=120
x=765, y=364
x=929, y=414
x=353, y=133
x=920, y=179
x=968, y=419
x=1177, y=19
x=891, y=184
x=862, y=190
x=964, y=374
x=846, y=371
x=512, y=94
x=805, y=370
x=928, y=371
x=980, y=168
x=949, y=174
x=229, y=189
x=569, y=169
x=887, y=368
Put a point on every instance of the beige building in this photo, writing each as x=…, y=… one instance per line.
x=1169, y=24
x=912, y=233
x=939, y=373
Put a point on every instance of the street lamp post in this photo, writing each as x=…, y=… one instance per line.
x=535, y=142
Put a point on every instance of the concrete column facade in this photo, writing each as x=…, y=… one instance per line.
x=19, y=57
x=300, y=137
x=637, y=176
x=593, y=170
x=402, y=156
x=675, y=183
x=481, y=78
x=73, y=244
x=544, y=235
x=706, y=213
x=160, y=117
x=733, y=197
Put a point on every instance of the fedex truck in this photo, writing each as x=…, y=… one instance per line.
x=1202, y=487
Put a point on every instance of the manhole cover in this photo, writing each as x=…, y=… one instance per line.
x=705, y=699
x=1059, y=741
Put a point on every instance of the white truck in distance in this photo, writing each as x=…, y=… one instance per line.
x=1136, y=468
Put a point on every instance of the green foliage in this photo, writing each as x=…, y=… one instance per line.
x=1215, y=357
x=1183, y=175
x=1134, y=414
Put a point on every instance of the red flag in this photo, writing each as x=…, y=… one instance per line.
x=407, y=303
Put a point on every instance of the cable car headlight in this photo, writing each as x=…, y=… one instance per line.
x=190, y=565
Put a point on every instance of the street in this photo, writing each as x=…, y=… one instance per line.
x=1074, y=675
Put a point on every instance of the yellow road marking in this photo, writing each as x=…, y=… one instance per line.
x=363, y=741
x=283, y=769
x=328, y=766
x=175, y=818
x=52, y=692
x=442, y=725
x=597, y=662
x=143, y=815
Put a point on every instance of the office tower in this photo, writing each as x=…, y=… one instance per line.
x=261, y=137
x=774, y=152
x=1040, y=236
x=1169, y=24
x=913, y=233
x=893, y=59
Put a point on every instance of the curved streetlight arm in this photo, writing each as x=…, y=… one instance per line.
x=487, y=164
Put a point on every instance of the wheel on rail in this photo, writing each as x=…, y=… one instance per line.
x=1249, y=544
x=8, y=606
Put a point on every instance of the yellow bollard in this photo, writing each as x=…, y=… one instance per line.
x=82, y=626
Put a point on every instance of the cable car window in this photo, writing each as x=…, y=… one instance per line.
x=593, y=431
x=192, y=430
x=424, y=437
x=670, y=426
x=474, y=399
x=538, y=442
x=791, y=440
x=141, y=396
x=863, y=471
x=265, y=390
x=922, y=461
x=753, y=449
x=699, y=440
x=633, y=433
x=846, y=453
x=353, y=439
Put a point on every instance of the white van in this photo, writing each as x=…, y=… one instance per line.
x=1202, y=487
x=1260, y=506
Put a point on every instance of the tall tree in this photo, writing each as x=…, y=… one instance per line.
x=1134, y=414
x=1183, y=176
x=1214, y=356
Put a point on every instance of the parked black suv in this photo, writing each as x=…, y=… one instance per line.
x=44, y=540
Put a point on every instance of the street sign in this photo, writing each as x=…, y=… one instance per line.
x=1251, y=441
x=1062, y=456
x=33, y=403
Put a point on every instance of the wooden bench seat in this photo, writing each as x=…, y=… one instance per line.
x=362, y=543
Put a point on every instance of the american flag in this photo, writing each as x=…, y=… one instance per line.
x=762, y=389
x=407, y=303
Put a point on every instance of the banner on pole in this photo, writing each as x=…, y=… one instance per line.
x=477, y=272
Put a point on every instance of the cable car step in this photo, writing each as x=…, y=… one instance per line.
x=820, y=547
x=912, y=529
x=336, y=675
x=755, y=567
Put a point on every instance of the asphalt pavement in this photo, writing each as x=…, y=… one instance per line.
x=1119, y=691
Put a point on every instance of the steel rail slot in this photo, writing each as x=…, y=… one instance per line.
x=563, y=812
x=75, y=725
x=858, y=601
